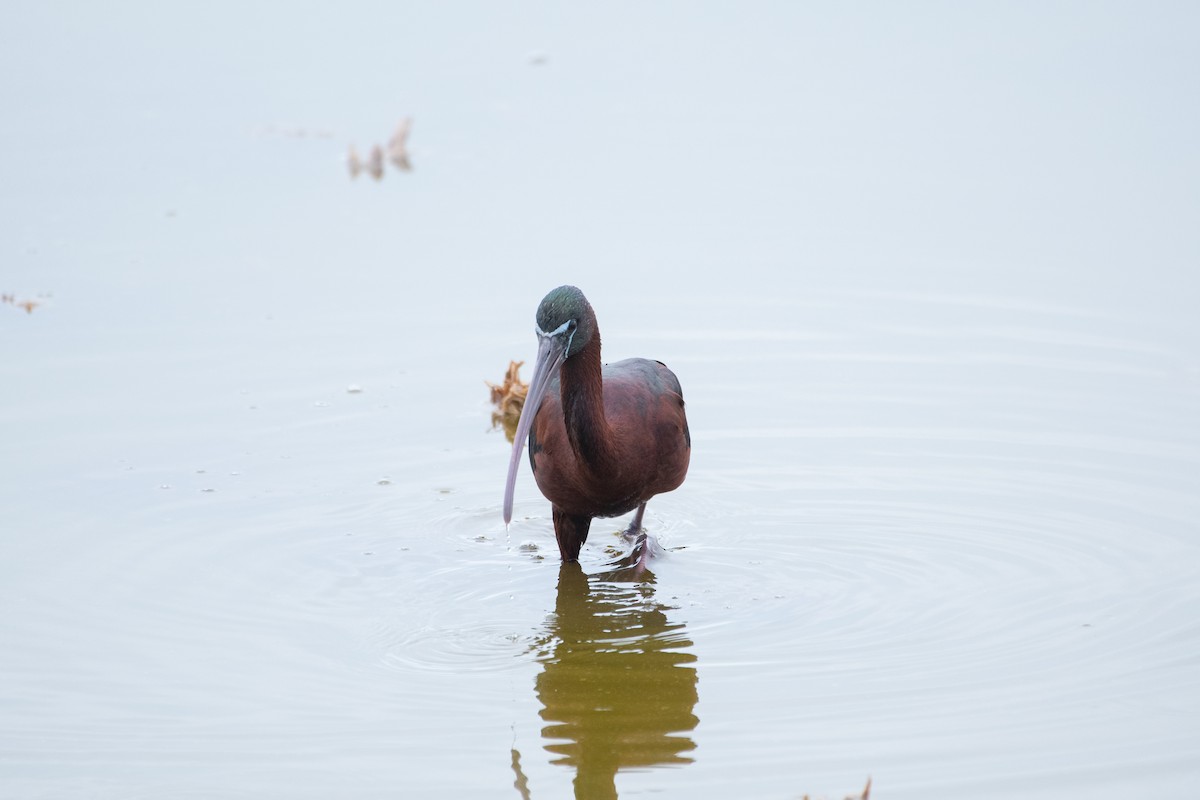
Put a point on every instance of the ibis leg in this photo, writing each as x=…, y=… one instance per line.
x=635, y=527
x=637, y=535
x=571, y=532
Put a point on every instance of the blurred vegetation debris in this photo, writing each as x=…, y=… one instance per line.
x=398, y=145
x=372, y=164
x=28, y=305
x=509, y=399
x=397, y=153
x=375, y=163
x=353, y=162
x=866, y=794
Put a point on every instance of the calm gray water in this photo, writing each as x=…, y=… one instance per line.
x=928, y=277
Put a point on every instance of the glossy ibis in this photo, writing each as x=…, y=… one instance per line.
x=603, y=439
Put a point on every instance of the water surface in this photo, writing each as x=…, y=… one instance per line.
x=927, y=278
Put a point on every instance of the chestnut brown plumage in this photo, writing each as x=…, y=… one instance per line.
x=603, y=439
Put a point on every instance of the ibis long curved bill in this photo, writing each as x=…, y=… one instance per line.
x=552, y=351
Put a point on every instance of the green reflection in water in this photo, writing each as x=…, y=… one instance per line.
x=617, y=686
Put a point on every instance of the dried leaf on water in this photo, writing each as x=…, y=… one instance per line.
x=509, y=399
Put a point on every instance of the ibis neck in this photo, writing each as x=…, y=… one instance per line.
x=582, y=390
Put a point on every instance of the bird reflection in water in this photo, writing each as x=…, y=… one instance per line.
x=618, y=685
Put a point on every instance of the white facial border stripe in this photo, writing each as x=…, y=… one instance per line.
x=560, y=329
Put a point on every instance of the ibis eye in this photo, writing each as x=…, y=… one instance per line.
x=571, y=326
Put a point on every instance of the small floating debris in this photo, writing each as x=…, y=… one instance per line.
x=27, y=304
x=866, y=794
x=384, y=481
x=375, y=163
x=396, y=152
x=372, y=164
x=398, y=146
x=509, y=399
x=354, y=388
